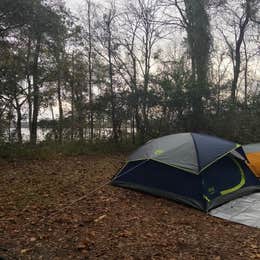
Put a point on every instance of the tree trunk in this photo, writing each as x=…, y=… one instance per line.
x=81, y=128
x=54, y=126
x=136, y=116
x=36, y=92
x=18, y=122
x=80, y=116
x=146, y=81
x=218, y=99
x=10, y=114
x=133, y=128
x=72, y=100
x=90, y=70
x=236, y=69
x=113, y=110
x=236, y=72
x=59, y=92
x=246, y=75
x=28, y=74
x=198, y=34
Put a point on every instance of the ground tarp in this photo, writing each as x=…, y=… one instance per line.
x=244, y=210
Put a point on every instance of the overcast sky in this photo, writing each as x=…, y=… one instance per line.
x=74, y=4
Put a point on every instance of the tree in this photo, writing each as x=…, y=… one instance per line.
x=137, y=70
x=253, y=6
x=58, y=46
x=194, y=19
x=88, y=19
x=147, y=30
x=90, y=70
x=43, y=27
x=108, y=48
x=127, y=66
x=14, y=14
x=12, y=81
x=238, y=18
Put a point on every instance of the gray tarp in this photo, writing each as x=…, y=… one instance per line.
x=244, y=210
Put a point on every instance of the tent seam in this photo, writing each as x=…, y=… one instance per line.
x=196, y=151
x=218, y=158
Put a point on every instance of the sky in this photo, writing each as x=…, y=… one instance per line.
x=73, y=4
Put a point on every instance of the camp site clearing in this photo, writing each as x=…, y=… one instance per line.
x=112, y=223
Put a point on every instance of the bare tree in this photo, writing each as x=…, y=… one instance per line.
x=148, y=30
x=254, y=6
x=36, y=89
x=238, y=18
x=59, y=57
x=109, y=18
x=126, y=63
x=88, y=20
x=90, y=71
x=108, y=47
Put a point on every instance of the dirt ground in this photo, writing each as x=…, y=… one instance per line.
x=112, y=223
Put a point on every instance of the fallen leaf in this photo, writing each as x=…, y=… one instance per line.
x=81, y=245
x=24, y=251
x=100, y=218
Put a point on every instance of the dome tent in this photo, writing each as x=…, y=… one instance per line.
x=200, y=170
x=253, y=155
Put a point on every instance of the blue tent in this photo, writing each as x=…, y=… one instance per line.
x=200, y=170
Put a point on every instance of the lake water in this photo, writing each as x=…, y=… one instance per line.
x=41, y=134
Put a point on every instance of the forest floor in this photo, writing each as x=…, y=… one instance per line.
x=111, y=223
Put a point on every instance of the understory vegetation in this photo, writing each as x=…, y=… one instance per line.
x=47, y=150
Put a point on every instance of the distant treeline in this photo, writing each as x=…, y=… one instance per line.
x=142, y=69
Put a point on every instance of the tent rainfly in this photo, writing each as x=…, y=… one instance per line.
x=253, y=154
x=200, y=170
